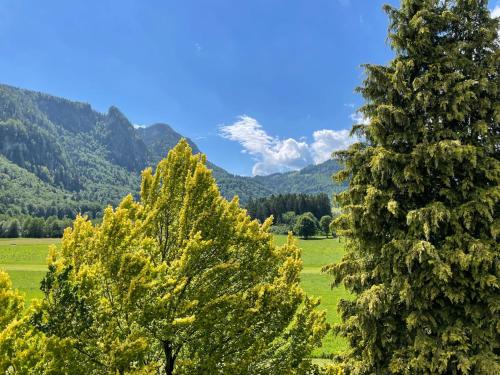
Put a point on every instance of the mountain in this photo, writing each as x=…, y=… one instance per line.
x=59, y=157
x=159, y=138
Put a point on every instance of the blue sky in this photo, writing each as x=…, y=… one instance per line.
x=261, y=86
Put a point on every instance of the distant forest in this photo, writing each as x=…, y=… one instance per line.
x=51, y=222
x=277, y=205
x=34, y=227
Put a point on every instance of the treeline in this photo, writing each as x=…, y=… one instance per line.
x=34, y=227
x=278, y=205
x=61, y=210
x=305, y=225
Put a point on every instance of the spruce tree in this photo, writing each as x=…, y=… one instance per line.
x=421, y=215
x=13, y=230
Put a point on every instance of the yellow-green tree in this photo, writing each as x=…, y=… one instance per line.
x=421, y=215
x=24, y=349
x=11, y=302
x=17, y=349
x=11, y=307
x=180, y=282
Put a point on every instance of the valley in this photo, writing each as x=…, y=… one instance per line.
x=60, y=157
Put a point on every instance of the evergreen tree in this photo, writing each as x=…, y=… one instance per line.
x=34, y=227
x=13, y=229
x=421, y=214
x=181, y=282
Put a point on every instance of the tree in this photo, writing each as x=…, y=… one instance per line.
x=306, y=225
x=34, y=227
x=289, y=218
x=181, y=282
x=11, y=302
x=281, y=204
x=13, y=229
x=22, y=348
x=324, y=224
x=4, y=227
x=11, y=307
x=421, y=212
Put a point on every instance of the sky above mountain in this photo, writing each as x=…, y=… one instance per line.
x=261, y=86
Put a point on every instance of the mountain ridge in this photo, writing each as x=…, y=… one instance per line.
x=90, y=159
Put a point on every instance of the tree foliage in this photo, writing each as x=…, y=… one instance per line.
x=281, y=204
x=421, y=214
x=324, y=224
x=52, y=227
x=11, y=302
x=306, y=225
x=180, y=282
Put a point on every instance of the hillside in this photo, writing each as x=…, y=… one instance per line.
x=59, y=157
x=309, y=180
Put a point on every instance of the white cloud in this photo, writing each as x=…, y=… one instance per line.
x=358, y=118
x=272, y=154
x=326, y=141
x=138, y=126
x=495, y=13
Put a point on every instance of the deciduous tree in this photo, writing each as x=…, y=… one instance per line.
x=324, y=224
x=180, y=282
x=306, y=225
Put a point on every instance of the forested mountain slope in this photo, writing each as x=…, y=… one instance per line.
x=309, y=180
x=59, y=157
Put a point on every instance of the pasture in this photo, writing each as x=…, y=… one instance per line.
x=317, y=252
x=25, y=261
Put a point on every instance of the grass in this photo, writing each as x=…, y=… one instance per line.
x=316, y=253
x=25, y=261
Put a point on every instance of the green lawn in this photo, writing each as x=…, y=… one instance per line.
x=316, y=253
x=25, y=261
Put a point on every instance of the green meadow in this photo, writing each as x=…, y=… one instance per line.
x=25, y=261
x=316, y=253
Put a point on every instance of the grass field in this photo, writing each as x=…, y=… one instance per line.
x=316, y=253
x=25, y=261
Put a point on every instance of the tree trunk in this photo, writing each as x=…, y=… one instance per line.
x=169, y=358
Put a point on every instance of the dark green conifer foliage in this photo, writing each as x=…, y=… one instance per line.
x=421, y=215
x=13, y=229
